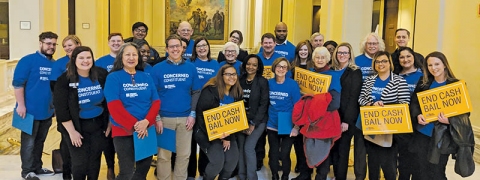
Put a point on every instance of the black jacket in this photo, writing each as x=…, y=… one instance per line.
x=454, y=138
x=66, y=101
x=351, y=82
x=396, y=60
x=209, y=99
x=259, y=100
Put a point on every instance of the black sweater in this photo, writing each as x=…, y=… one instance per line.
x=351, y=82
x=259, y=100
x=66, y=101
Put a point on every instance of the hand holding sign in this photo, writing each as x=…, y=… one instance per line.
x=226, y=119
x=387, y=119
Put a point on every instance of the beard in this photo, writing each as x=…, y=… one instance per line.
x=45, y=52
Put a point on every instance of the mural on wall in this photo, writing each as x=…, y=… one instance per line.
x=208, y=18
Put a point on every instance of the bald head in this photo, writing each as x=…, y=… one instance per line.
x=185, y=30
x=281, y=32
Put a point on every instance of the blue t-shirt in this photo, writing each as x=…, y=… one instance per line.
x=175, y=84
x=269, y=61
x=188, y=52
x=206, y=69
x=412, y=79
x=286, y=49
x=148, y=68
x=32, y=73
x=59, y=67
x=90, y=97
x=335, y=81
x=226, y=100
x=105, y=62
x=136, y=97
x=341, y=71
x=237, y=65
x=365, y=65
x=282, y=98
x=378, y=88
x=428, y=129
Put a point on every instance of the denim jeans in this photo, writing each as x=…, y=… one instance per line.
x=129, y=169
x=247, y=162
x=32, y=146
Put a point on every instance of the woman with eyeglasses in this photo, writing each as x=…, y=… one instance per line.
x=222, y=153
x=133, y=103
x=69, y=43
x=236, y=37
x=284, y=93
x=81, y=109
x=411, y=71
x=206, y=69
x=351, y=83
x=231, y=51
x=255, y=97
x=383, y=88
x=429, y=142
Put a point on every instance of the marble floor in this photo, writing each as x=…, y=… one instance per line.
x=10, y=170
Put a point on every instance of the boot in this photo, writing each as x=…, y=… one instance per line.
x=275, y=176
x=110, y=174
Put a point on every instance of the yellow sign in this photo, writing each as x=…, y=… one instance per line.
x=389, y=119
x=451, y=99
x=312, y=82
x=226, y=119
x=267, y=72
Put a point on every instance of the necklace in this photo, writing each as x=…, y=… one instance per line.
x=248, y=82
x=132, y=76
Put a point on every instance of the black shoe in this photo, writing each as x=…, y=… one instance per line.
x=259, y=166
x=275, y=176
x=45, y=171
x=31, y=176
x=67, y=176
x=284, y=176
x=302, y=176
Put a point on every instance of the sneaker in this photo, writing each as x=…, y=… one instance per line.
x=45, y=171
x=31, y=176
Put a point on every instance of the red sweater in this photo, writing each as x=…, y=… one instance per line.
x=126, y=120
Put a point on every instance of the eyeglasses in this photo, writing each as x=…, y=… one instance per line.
x=174, y=46
x=230, y=51
x=202, y=46
x=281, y=67
x=372, y=43
x=230, y=74
x=185, y=30
x=382, y=61
x=342, y=53
x=140, y=30
x=50, y=43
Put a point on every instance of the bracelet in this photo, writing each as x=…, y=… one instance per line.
x=158, y=118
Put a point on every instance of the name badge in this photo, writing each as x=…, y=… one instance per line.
x=73, y=85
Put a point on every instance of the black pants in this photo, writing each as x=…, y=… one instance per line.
x=129, y=169
x=260, y=148
x=381, y=157
x=109, y=152
x=192, y=162
x=425, y=169
x=220, y=161
x=300, y=153
x=359, y=155
x=32, y=146
x=86, y=158
x=323, y=169
x=340, y=154
x=276, y=142
x=67, y=162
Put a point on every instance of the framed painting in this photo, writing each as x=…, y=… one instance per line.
x=208, y=18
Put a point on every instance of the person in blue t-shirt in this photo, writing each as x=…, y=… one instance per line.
x=178, y=87
x=33, y=95
x=231, y=51
x=223, y=153
x=437, y=73
x=206, y=68
x=133, y=104
x=383, y=88
x=370, y=45
x=185, y=31
x=268, y=54
x=82, y=111
x=144, y=54
x=115, y=40
x=284, y=93
x=59, y=67
x=283, y=46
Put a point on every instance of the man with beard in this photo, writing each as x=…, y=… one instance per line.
x=140, y=31
x=402, y=36
x=115, y=40
x=283, y=47
x=34, y=96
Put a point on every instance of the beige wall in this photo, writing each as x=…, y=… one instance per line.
x=23, y=42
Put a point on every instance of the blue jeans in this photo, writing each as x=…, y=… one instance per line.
x=247, y=162
x=32, y=146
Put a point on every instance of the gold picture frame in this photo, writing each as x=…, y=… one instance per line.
x=208, y=18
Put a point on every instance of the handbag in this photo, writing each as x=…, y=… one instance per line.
x=57, y=161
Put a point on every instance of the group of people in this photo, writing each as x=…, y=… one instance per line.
x=103, y=105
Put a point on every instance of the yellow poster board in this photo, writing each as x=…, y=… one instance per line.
x=226, y=119
x=267, y=72
x=389, y=119
x=451, y=99
x=312, y=82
